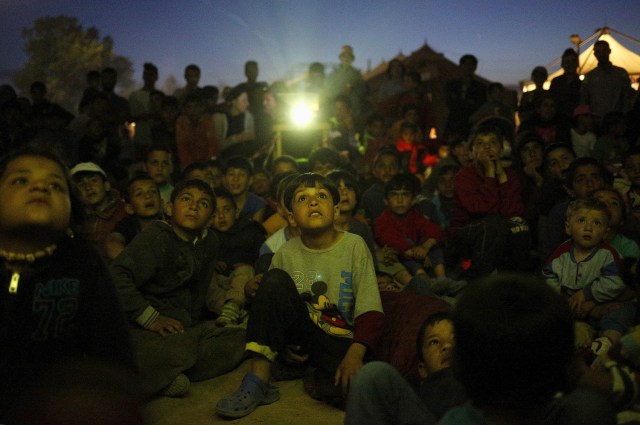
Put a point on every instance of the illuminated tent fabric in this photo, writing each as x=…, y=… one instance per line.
x=620, y=56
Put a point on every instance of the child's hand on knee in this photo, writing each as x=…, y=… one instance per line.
x=164, y=325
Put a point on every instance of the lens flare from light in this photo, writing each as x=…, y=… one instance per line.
x=301, y=114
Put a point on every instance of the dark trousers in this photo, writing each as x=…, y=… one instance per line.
x=492, y=242
x=279, y=317
x=201, y=352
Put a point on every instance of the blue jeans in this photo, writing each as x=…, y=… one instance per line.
x=380, y=396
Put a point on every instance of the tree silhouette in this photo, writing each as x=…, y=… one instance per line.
x=61, y=52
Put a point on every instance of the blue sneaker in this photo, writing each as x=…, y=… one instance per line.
x=251, y=394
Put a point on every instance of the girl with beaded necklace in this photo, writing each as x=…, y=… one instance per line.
x=57, y=301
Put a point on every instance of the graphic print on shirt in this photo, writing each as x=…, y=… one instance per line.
x=333, y=318
x=56, y=304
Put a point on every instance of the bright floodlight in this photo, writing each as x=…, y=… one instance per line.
x=301, y=114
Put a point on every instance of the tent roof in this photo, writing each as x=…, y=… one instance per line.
x=620, y=56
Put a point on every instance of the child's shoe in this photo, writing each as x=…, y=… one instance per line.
x=179, y=387
x=251, y=394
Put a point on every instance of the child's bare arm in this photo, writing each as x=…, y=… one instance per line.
x=350, y=365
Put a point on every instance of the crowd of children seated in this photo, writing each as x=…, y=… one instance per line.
x=209, y=249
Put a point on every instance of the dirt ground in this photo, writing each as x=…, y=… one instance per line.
x=197, y=408
x=294, y=406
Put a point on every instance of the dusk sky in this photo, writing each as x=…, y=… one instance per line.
x=509, y=37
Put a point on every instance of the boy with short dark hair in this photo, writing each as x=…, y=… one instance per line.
x=240, y=241
x=58, y=303
x=381, y=396
x=413, y=237
x=585, y=270
x=159, y=165
x=443, y=199
x=197, y=170
x=411, y=148
x=162, y=277
x=238, y=172
x=103, y=206
x=583, y=177
x=341, y=320
x=324, y=160
x=487, y=225
x=143, y=205
x=385, y=166
x=284, y=163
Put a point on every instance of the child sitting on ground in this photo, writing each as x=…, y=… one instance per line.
x=238, y=173
x=58, y=303
x=412, y=236
x=162, y=278
x=411, y=148
x=349, y=195
x=240, y=241
x=514, y=384
x=443, y=199
x=583, y=139
x=287, y=231
x=613, y=144
x=143, y=205
x=159, y=165
x=385, y=166
x=627, y=248
x=582, y=178
x=585, y=270
x=438, y=390
x=341, y=319
x=103, y=206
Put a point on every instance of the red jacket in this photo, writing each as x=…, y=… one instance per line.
x=404, y=232
x=477, y=196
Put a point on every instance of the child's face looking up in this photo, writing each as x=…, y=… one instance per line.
x=586, y=180
x=225, y=214
x=612, y=201
x=437, y=348
x=190, y=212
x=312, y=208
x=144, y=199
x=558, y=160
x=587, y=228
x=347, y=198
x=92, y=188
x=34, y=193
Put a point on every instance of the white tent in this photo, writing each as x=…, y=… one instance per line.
x=620, y=56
